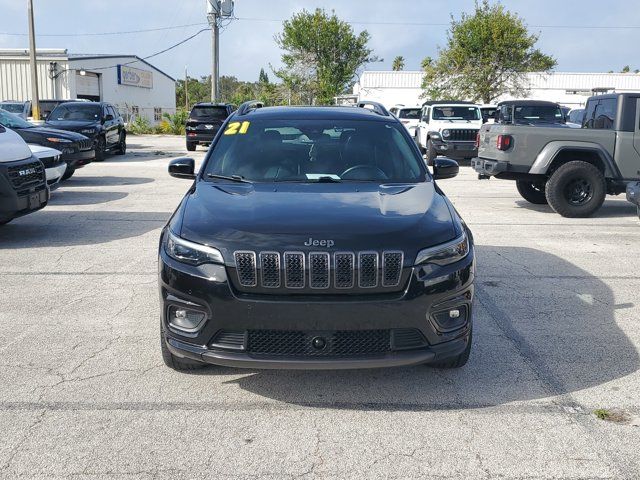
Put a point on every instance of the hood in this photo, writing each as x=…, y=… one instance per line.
x=55, y=132
x=12, y=146
x=44, y=152
x=74, y=125
x=283, y=217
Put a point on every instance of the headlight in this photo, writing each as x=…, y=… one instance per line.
x=446, y=133
x=446, y=253
x=189, y=252
x=88, y=131
x=58, y=140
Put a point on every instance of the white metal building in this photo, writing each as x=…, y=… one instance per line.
x=135, y=86
x=570, y=89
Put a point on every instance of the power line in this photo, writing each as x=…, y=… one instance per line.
x=98, y=34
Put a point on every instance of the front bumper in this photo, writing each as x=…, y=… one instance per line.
x=79, y=158
x=633, y=194
x=455, y=149
x=54, y=174
x=208, y=290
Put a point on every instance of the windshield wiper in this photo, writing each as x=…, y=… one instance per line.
x=231, y=178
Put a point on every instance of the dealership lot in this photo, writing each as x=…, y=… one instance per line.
x=85, y=393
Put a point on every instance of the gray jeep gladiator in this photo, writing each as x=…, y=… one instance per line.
x=570, y=169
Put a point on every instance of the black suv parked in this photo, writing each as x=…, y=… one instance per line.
x=315, y=237
x=77, y=150
x=204, y=122
x=100, y=121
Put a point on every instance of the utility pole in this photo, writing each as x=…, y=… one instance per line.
x=35, y=105
x=186, y=90
x=217, y=10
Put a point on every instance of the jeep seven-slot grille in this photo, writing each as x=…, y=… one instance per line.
x=319, y=270
x=23, y=176
x=462, y=135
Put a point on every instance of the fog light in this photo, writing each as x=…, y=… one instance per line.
x=451, y=319
x=185, y=320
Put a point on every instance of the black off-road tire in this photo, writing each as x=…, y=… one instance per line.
x=576, y=189
x=68, y=173
x=532, y=192
x=191, y=146
x=430, y=153
x=122, y=144
x=177, y=363
x=100, y=149
x=458, y=361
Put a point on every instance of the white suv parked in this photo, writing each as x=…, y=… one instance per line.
x=448, y=128
x=408, y=116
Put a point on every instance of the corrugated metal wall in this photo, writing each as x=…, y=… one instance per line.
x=15, y=79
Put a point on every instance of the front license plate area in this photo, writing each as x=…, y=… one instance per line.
x=34, y=201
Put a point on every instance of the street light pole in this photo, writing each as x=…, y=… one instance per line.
x=215, y=54
x=35, y=105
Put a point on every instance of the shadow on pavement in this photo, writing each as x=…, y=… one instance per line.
x=82, y=181
x=611, y=208
x=71, y=197
x=48, y=228
x=543, y=327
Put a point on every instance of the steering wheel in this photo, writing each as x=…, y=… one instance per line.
x=378, y=174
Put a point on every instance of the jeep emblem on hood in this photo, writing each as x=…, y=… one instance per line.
x=319, y=243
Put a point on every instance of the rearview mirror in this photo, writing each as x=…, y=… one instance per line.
x=183, y=167
x=445, y=168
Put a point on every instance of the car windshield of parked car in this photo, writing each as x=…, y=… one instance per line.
x=11, y=120
x=538, y=114
x=489, y=112
x=576, y=116
x=218, y=113
x=410, y=113
x=309, y=151
x=13, y=107
x=75, y=111
x=456, y=113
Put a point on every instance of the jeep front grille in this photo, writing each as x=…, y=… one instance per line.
x=319, y=270
x=462, y=135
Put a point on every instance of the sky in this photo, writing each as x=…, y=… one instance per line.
x=411, y=28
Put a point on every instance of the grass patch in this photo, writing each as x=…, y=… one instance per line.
x=616, y=416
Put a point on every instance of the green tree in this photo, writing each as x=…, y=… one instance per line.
x=263, y=77
x=398, y=63
x=321, y=55
x=625, y=69
x=487, y=55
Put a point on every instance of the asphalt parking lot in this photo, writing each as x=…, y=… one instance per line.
x=84, y=392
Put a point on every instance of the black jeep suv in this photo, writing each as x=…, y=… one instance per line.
x=315, y=237
x=204, y=122
x=100, y=121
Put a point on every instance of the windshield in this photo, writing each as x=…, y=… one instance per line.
x=289, y=150
x=219, y=113
x=410, y=113
x=11, y=120
x=538, y=114
x=456, y=113
x=488, y=112
x=76, y=111
x=13, y=107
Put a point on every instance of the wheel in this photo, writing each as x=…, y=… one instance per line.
x=68, y=173
x=101, y=146
x=532, y=192
x=458, y=361
x=4, y=222
x=431, y=153
x=576, y=189
x=191, y=146
x=177, y=363
x=122, y=144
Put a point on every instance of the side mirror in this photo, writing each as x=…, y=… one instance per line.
x=182, y=168
x=445, y=168
x=108, y=118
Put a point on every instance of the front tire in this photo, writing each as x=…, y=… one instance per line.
x=122, y=144
x=431, y=153
x=68, y=173
x=174, y=362
x=532, y=192
x=457, y=361
x=101, y=146
x=576, y=189
x=191, y=146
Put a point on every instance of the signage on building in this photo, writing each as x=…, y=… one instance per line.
x=134, y=77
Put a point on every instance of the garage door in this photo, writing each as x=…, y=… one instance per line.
x=88, y=86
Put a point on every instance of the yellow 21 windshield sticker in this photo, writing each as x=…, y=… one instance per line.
x=237, y=127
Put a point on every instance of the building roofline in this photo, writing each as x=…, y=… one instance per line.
x=79, y=56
